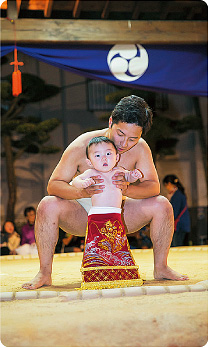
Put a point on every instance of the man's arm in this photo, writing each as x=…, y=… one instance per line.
x=143, y=189
x=58, y=184
x=149, y=185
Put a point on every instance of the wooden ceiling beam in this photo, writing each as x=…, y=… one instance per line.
x=104, y=31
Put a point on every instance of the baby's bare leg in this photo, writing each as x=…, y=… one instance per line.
x=158, y=211
x=53, y=212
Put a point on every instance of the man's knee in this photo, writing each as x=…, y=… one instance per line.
x=163, y=205
x=47, y=204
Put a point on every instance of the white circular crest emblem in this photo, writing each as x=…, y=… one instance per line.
x=127, y=62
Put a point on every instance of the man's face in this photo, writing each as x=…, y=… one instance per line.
x=31, y=217
x=124, y=135
x=103, y=156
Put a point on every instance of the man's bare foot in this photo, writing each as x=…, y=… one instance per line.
x=168, y=273
x=39, y=280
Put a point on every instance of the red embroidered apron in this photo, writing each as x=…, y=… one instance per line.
x=107, y=260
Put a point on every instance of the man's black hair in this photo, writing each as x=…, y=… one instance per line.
x=28, y=209
x=133, y=109
x=99, y=140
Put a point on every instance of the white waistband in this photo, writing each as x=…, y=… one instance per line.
x=104, y=210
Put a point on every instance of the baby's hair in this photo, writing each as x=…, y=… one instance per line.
x=99, y=140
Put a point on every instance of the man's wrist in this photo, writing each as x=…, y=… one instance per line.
x=82, y=193
x=132, y=191
x=125, y=191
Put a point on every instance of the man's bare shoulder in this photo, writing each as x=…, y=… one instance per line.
x=135, y=156
x=138, y=150
x=142, y=144
x=141, y=148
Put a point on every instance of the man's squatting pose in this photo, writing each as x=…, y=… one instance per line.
x=67, y=206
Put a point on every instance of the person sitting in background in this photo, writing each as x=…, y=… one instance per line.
x=140, y=239
x=28, y=242
x=28, y=235
x=59, y=245
x=68, y=243
x=10, y=239
x=73, y=243
x=178, y=200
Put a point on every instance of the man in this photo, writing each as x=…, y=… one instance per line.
x=67, y=206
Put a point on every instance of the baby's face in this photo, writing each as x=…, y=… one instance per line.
x=103, y=156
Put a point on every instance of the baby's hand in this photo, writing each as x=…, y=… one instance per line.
x=136, y=174
x=88, y=182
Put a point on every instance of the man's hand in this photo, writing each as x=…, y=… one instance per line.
x=119, y=181
x=95, y=188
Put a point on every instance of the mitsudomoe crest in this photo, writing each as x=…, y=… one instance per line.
x=127, y=62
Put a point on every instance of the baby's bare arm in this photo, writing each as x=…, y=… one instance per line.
x=83, y=180
x=82, y=183
x=133, y=175
x=130, y=175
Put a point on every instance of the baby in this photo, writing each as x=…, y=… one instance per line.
x=102, y=157
x=107, y=260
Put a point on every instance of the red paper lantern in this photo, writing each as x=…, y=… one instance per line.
x=16, y=83
x=16, y=76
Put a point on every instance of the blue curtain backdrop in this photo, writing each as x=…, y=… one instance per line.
x=180, y=69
